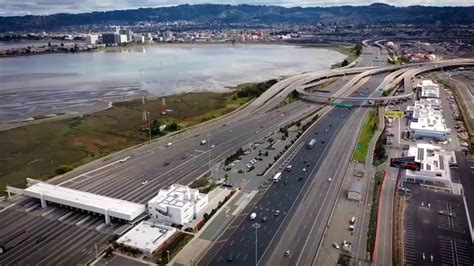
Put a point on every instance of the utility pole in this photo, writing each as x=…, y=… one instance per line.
x=256, y=226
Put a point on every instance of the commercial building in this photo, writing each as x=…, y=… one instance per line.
x=92, y=39
x=426, y=114
x=110, y=38
x=119, y=30
x=435, y=165
x=429, y=89
x=177, y=205
x=147, y=236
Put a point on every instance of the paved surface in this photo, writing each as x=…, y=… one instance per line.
x=432, y=238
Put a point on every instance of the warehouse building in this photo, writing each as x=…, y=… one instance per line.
x=177, y=205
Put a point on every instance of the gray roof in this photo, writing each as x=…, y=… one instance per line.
x=356, y=186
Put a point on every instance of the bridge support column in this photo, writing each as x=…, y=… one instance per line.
x=43, y=202
x=107, y=217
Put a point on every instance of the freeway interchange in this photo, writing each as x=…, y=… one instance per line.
x=304, y=201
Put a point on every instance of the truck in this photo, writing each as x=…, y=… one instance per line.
x=311, y=144
x=276, y=177
x=203, y=142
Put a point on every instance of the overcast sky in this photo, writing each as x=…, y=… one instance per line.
x=40, y=7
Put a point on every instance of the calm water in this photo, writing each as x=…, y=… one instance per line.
x=43, y=84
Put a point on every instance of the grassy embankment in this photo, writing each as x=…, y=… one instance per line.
x=371, y=232
x=41, y=151
x=351, y=52
x=367, y=132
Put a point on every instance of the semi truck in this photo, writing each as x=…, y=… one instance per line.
x=311, y=144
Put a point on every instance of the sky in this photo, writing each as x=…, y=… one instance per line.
x=45, y=7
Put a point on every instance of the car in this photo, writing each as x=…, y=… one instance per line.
x=227, y=184
x=330, y=125
x=124, y=159
x=329, y=179
x=287, y=253
x=212, y=146
x=166, y=163
x=305, y=161
x=322, y=141
x=203, y=142
x=277, y=212
x=183, y=157
x=252, y=216
x=288, y=168
x=352, y=220
x=326, y=130
x=351, y=227
x=285, y=182
x=336, y=245
x=300, y=178
x=145, y=182
x=224, y=124
x=345, y=243
x=316, y=133
x=264, y=219
x=230, y=258
x=304, y=169
x=342, y=116
x=169, y=144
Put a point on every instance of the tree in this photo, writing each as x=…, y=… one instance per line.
x=173, y=126
x=270, y=140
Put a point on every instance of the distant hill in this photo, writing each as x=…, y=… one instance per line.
x=225, y=14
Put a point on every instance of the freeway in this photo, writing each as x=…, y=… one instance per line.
x=238, y=239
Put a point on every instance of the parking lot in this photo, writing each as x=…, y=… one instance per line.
x=436, y=229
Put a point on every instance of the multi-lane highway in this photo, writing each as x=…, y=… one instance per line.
x=56, y=235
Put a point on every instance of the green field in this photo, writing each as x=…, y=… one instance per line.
x=36, y=151
x=367, y=132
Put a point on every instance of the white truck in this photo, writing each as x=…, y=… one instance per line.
x=276, y=177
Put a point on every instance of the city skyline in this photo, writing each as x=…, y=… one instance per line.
x=47, y=7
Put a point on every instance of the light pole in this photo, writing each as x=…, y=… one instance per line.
x=256, y=226
x=168, y=256
x=149, y=124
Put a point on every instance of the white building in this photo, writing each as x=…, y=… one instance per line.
x=138, y=38
x=147, y=236
x=429, y=89
x=427, y=120
x=435, y=165
x=178, y=204
x=92, y=39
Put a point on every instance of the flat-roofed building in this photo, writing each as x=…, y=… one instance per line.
x=435, y=165
x=177, y=205
x=429, y=89
x=147, y=236
x=427, y=120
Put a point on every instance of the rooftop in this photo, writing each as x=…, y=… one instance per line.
x=429, y=89
x=85, y=200
x=147, y=236
x=428, y=116
x=434, y=161
x=176, y=196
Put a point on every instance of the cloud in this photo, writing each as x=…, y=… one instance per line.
x=44, y=7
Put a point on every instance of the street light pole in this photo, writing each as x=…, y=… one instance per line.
x=256, y=226
x=149, y=124
x=168, y=256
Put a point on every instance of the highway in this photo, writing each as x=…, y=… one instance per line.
x=75, y=234
x=269, y=197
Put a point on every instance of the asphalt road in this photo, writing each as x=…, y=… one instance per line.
x=238, y=240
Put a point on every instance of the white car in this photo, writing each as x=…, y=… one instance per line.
x=304, y=169
x=336, y=245
x=329, y=179
x=145, y=182
x=203, y=142
x=169, y=144
x=212, y=146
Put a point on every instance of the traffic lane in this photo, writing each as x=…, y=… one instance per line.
x=360, y=115
x=336, y=115
x=466, y=172
x=272, y=201
x=316, y=207
x=153, y=166
x=43, y=233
